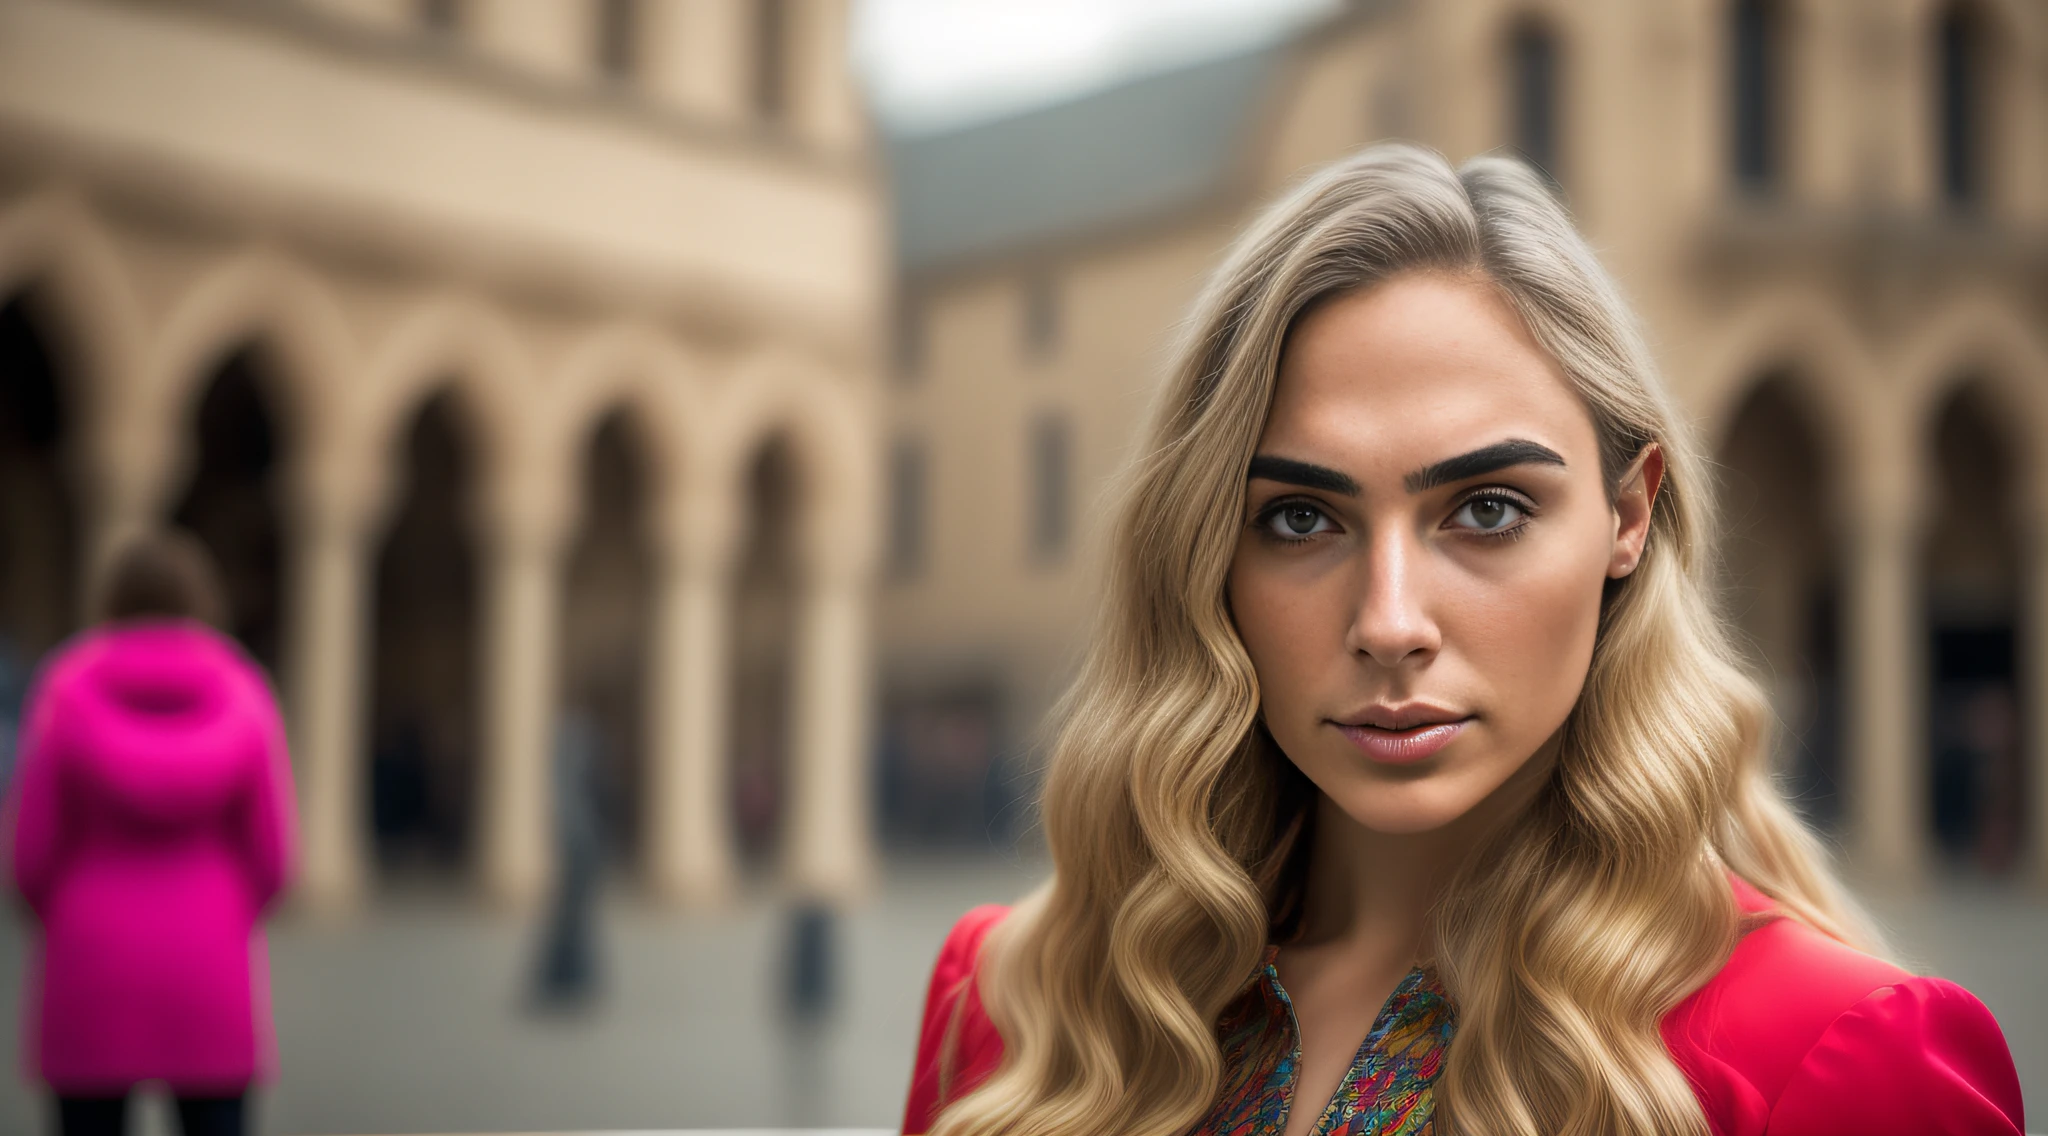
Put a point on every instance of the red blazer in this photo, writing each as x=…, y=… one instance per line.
x=1797, y=1035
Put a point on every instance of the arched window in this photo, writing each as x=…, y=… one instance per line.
x=1533, y=95
x=1961, y=107
x=1756, y=61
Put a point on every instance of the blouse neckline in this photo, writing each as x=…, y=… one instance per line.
x=1386, y=1090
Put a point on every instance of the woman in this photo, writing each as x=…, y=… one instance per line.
x=1412, y=783
x=151, y=822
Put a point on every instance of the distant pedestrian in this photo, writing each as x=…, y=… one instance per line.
x=150, y=824
x=809, y=995
x=567, y=978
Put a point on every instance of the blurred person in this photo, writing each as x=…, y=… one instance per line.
x=810, y=993
x=1412, y=778
x=567, y=978
x=1991, y=722
x=151, y=825
x=13, y=690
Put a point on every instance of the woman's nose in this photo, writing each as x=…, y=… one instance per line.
x=1392, y=622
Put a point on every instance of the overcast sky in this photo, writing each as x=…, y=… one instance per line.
x=936, y=65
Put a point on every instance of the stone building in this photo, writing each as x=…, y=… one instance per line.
x=1832, y=215
x=514, y=357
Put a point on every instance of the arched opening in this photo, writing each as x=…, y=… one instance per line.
x=1757, y=62
x=1535, y=75
x=230, y=504
x=763, y=634
x=38, y=529
x=1782, y=584
x=605, y=631
x=423, y=767
x=1975, y=763
x=1963, y=104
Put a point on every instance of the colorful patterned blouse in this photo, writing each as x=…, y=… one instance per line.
x=1386, y=1092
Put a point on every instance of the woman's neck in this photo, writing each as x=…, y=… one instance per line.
x=1372, y=892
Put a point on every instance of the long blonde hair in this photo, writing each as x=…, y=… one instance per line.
x=1176, y=826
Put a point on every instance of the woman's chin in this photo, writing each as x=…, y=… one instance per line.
x=1415, y=806
x=1405, y=812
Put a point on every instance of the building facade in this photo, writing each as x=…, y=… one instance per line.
x=1832, y=216
x=515, y=358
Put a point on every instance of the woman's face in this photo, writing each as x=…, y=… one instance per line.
x=1425, y=541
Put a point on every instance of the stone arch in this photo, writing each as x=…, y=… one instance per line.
x=1983, y=340
x=1781, y=572
x=621, y=402
x=234, y=399
x=1809, y=344
x=1972, y=585
x=605, y=653
x=1973, y=376
x=257, y=296
x=827, y=426
x=51, y=245
x=81, y=322
x=638, y=370
x=441, y=428
x=466, y=346
x=784, y=448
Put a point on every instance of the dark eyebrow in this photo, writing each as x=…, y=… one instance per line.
x=1265, y=467
x=1485, y=459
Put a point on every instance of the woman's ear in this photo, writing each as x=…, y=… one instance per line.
x=1633, y=503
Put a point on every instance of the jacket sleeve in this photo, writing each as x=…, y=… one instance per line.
x=1921, y=1056
x=34, y=813
x=269, y=836
x=958, y=1046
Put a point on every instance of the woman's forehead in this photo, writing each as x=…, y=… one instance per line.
x=1415, y=370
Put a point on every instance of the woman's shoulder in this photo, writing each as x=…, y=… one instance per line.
x=963, y=943
x=957, y=1046
x=1802, y=1033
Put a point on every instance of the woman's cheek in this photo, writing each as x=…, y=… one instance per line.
x=1554, y=639
x=1281, y=625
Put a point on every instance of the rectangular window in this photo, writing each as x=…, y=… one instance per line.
x=1959, y=116
x=906, y=508
x=1041, y=317
x=1755, y=82
x=909, y=339
x=439, y=17
x=617, y=27
x=771, y=59
x=1051, y=488
x=1534, y=90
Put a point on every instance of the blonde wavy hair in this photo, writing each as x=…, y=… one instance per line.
x=1177, y=828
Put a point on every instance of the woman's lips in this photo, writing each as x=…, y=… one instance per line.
x=1402, y=747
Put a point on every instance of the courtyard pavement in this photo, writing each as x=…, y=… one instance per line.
x=412, y=1018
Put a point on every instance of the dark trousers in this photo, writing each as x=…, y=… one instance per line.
x=108, y=1116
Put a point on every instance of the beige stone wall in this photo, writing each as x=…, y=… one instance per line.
x=386, y=216
x=1852, y=282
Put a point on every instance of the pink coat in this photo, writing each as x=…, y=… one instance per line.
x=1797, y=1035
x=151, y=824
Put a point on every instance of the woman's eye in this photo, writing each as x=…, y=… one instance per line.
x=1296, y=520
x=1489, y=514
